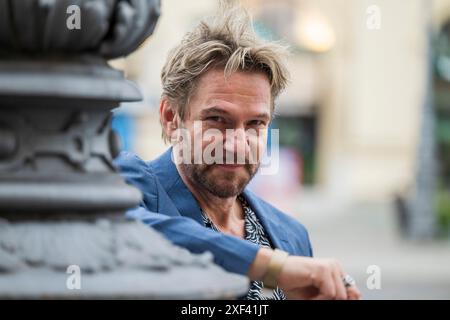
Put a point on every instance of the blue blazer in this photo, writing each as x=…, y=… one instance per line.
x=169, y=207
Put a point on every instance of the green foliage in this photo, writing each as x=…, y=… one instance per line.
x=443, y=208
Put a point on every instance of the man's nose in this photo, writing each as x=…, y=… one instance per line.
x=236, y=143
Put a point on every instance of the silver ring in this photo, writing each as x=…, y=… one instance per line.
x=348, y=281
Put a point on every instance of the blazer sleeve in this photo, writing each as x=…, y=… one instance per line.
x=232, y=253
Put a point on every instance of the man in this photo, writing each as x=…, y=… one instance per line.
x=219, y=89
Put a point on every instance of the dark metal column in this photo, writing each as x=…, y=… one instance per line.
x=62, y=202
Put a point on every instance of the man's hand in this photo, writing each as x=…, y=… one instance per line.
x=312, y=278
x=306, y=278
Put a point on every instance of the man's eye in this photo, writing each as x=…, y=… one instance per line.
x=257, y=123
x=216, y=119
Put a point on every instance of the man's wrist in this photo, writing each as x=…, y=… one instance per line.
x=260, y=264
x=275, y=266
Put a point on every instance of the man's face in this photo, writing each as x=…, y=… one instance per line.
x=233, y=115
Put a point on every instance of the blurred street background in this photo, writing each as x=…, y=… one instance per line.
x=364, y=130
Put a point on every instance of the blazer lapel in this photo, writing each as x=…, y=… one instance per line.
x=167, y=173
x=269, y=221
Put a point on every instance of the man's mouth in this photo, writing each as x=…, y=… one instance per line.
x=230, y=167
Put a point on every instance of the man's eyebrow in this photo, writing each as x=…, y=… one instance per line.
x=262, y=115
x=213, y=110
x=217, y=110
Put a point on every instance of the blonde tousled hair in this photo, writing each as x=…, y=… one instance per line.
x=227, y=40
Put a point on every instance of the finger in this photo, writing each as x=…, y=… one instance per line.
x=326, y=283
x=321, y=297
x=308, y=293
x=341, y=291
x=353, y=293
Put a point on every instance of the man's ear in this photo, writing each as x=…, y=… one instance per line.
x=168, y=117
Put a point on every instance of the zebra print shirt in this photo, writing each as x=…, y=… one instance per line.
x=255, y=233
